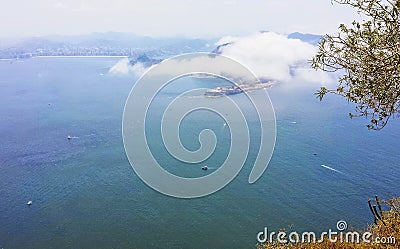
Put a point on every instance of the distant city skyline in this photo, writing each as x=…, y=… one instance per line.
x=167, y=18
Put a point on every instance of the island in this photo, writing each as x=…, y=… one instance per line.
x=220, y=91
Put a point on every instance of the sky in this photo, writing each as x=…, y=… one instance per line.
x=166, y=18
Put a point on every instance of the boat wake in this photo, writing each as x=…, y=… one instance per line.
x=332, y=169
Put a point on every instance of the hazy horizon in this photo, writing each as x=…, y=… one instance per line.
x=182, y=36
x=172, y=18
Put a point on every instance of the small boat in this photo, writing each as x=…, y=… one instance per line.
x=69, y=137
x=29, y=203
x=205, y=167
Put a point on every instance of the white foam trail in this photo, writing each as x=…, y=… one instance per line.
x=327, y=167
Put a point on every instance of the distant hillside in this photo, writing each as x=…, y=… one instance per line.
x=309, y=38
x=186, y=46
x=117, y=44
x=110, y=44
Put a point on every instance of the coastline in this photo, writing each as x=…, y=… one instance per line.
x=80, y=56
x=66, y=56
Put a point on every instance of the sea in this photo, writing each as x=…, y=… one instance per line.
x=85, y=193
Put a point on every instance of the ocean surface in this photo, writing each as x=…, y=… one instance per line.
x=85, y=194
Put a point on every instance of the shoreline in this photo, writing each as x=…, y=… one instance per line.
x=80, y=56
x=66, y=56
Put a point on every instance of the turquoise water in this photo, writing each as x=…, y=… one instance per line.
x=86, y=195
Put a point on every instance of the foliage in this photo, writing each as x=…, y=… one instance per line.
x=368, y=54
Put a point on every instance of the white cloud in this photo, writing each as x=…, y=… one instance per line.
x=226, y=39
x=124, y=67
x=268, y=55
x=274, y=56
